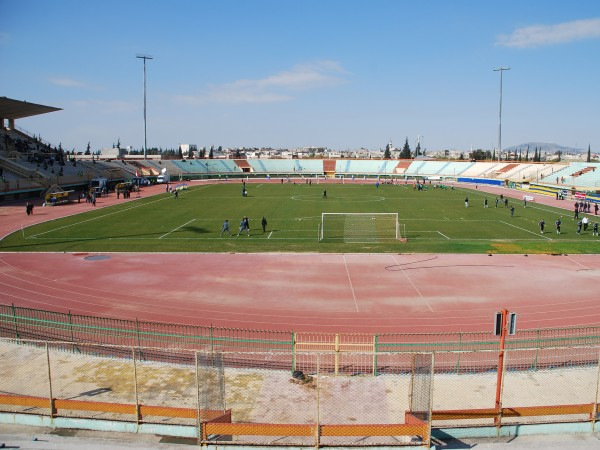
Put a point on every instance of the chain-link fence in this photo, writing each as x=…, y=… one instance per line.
x=329, y=399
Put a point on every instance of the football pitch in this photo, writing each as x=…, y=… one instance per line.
x=430, y=221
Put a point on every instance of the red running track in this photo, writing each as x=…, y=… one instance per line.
x=373, y=293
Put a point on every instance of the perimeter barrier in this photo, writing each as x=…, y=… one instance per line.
x=228, y=403
x=348, y=353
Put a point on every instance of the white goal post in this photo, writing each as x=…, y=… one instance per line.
x=360, y=227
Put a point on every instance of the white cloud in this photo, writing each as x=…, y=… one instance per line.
x=539, y=35
x=279, y=87
x=67, y=82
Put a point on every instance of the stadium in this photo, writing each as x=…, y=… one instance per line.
x=385, y=302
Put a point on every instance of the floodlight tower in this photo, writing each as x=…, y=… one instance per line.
x=144, y=57
x=500, y=69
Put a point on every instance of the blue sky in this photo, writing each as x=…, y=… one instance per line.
x=345, y=74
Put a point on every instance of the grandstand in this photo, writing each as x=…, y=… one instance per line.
x=30, y=165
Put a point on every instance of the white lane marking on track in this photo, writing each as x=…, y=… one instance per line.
x=350, y=281
x=577, y=262
x=413, y=285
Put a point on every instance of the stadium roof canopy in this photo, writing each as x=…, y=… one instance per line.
x=16, y=109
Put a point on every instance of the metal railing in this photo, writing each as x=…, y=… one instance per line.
x=26, y=323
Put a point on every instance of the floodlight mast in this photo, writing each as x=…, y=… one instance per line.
x=500, y=69
x=145, y=57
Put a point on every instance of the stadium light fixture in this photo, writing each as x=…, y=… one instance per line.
x=500, y=69
x=145, y=57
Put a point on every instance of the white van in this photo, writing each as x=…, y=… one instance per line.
x=163, y=178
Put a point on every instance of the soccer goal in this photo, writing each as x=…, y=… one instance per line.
x=360, y=227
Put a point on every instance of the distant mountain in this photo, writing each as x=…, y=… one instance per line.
x=547, y=148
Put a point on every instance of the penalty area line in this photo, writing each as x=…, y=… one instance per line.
x=524, y=229
x=172, y=231
x=443, y=235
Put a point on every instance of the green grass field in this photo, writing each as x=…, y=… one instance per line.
x=434, y=220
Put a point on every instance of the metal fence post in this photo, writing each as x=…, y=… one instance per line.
x=135, y=388
x=73, y=347
x=337, y=353
x=137, y=333
x=52, y=409
x=293, y=351
x=14, y=314
x=460, y=337
x=430, y=409
x=537, y=350
x=595, y=410
x=498, y=419
x=375, y=350
x=198, y=420
x=318, y=421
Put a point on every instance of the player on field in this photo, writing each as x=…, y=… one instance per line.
x=264, y=224
x=225, y=228
x=244, y=226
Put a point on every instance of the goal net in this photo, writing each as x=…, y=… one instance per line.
x=360, y=227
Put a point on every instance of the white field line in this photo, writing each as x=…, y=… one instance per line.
x=443, y=235
x=106, y=215
x=524, y=229
x=175, y=229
